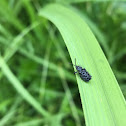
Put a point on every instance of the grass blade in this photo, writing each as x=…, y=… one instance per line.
x=45, y=71
x=69, y=97
x=18, y=41
x=19, y=87
x=102, y=99
x=6, y=118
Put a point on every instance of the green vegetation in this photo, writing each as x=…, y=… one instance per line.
x=37, y=84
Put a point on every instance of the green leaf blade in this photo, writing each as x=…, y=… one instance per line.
x=102, y=99
x=21, y=90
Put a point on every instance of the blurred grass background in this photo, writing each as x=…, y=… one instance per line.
x=34, y=50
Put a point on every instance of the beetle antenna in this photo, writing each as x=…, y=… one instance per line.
x=75, y=61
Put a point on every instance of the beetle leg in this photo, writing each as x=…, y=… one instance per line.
x=75, y=72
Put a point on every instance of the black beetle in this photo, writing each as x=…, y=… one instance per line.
x=84, y=75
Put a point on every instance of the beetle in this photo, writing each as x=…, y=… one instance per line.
x=84, y=75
